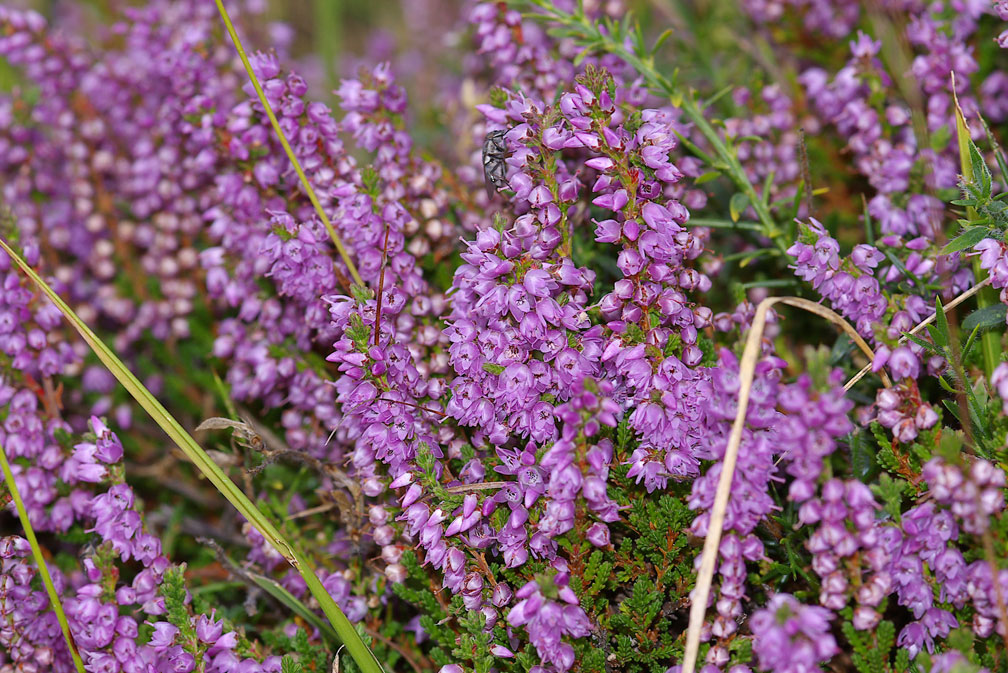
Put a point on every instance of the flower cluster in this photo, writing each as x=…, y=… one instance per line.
x=791, y=637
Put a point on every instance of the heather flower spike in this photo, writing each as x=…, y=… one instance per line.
x=286, y=145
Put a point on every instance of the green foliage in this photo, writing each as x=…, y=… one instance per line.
x=991, y=211
x=863, y=457
x=290, y=665
x=358, y=332
x=492, y=368
x=737, y=205
x=637, y=596
x=871, y=651
x=625, y=441
x=890, y=492
x=474, y=642
x=986, y=318
x=176, y=599
x=659, y=524
x=299, y=651
x=596, y=575
x=418, y=592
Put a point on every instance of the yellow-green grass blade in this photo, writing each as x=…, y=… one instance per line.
x=287, y=148
x=360, y=652
x=54, y=599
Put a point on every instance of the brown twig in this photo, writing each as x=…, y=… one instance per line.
x=485, y=567
x=415, y=406
x=381, y=286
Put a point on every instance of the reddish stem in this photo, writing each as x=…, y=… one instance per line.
x=381, y=285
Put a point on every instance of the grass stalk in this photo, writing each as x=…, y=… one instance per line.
x=990, y=341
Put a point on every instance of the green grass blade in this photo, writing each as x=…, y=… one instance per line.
x=287, y=148
x=360, y=652
x=54, y=599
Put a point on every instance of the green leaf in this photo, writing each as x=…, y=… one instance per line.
x=890, y=491
x=492, y=368
x=926, y=345
x=707, y=177
x=666, y=34
x=940, y=335
x=278, y=592
x=967, y=239
x=981, y=173
x=998, y=153
x=969, y=342
x=886, y=633
x=986, y=318
x=898, y=263
x=737, y=205
x=363, y=656
x=841, y=349
x=902, y=662
x=963, y=139
x=290, y=665
x=946, y=386
x=862, y=458
x=953, y=408
x=961, y=639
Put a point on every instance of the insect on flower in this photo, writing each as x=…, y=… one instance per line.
x=494, y=168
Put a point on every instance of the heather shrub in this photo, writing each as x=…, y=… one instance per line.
x=563, y=343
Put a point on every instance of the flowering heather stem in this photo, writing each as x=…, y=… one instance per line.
x=287, y=148
x=588, y=33
x=360, y=652
x=54, y=599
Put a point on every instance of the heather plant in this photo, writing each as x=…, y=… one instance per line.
x=619, y=350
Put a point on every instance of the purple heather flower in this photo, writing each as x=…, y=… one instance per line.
x=789, y=636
